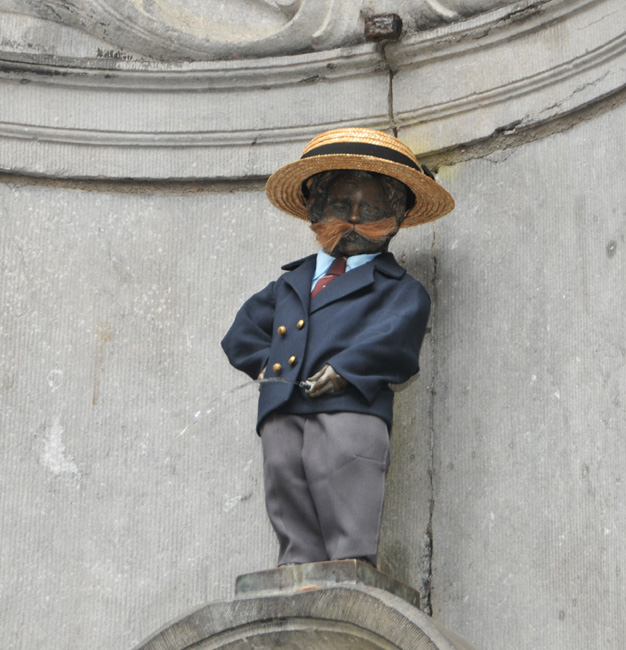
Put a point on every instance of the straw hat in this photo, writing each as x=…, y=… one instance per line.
x=367, y=150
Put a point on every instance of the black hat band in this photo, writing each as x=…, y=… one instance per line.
x=363, y=149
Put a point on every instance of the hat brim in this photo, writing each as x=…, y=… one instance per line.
x=284, y=187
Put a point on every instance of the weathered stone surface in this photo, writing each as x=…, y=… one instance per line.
x=128, y=466
x=119, y=432
x=214, y=29
x=330, y=605
x=504, y=71
x=119, y=429
x=124, y=429
x=507, y=72
x=530, y=376
x=302, y=577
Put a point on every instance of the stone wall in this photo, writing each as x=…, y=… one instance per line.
x=530, y=377
x=131, y=475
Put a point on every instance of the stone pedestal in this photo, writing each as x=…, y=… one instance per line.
x=329, y=605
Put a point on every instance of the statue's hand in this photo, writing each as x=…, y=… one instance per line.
x=327, y=380
x=261, y=376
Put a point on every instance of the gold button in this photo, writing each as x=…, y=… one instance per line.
x=292, y=360
x=277, y=368
x=282, y=330
x=300, y=324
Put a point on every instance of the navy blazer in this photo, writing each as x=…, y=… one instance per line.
x=368, y=324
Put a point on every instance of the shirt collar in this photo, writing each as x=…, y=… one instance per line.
x=324, y=260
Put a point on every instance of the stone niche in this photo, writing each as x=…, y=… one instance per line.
x=160, y=94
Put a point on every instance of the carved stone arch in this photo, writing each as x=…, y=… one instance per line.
x=170, y=30
x=187, y=30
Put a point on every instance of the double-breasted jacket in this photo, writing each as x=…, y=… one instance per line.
x=368, y=324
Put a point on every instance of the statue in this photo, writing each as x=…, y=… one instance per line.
x=343, y=323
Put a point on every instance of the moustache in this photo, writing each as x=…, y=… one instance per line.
x=330, y=233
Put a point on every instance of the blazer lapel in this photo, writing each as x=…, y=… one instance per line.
x=300, y=278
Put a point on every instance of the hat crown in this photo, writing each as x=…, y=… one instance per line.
x=360, y=135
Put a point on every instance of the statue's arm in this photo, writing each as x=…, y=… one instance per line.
x=388, y=351
x=247, y=343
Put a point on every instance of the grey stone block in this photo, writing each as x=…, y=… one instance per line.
x=302, y=577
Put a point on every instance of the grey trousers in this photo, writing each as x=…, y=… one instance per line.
x=325, y=484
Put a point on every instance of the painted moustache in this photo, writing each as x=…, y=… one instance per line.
x=330, y=233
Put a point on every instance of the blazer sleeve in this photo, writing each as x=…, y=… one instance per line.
x=247, y=343
x=387, y=352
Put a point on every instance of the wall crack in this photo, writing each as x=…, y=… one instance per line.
x=390, y=75
x=426, y=606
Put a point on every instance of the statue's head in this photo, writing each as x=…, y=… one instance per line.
x=357, y=187
x=354, y=212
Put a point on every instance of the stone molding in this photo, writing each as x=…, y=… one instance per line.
x=332, y=618
x=517, y=67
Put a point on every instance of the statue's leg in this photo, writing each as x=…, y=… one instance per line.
x=287, y=498
x=346, y=456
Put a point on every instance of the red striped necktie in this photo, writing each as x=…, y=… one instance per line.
x=336, y=269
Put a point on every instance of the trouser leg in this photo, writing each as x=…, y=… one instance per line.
x=290, y=508
x=345, y=457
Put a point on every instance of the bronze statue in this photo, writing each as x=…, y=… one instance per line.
x=348, y=321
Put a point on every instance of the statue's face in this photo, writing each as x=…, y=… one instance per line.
x=355, y=200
